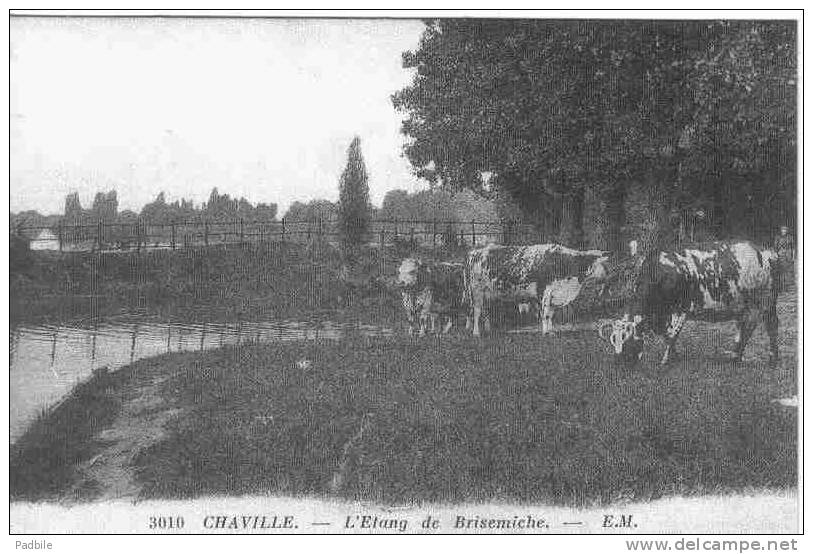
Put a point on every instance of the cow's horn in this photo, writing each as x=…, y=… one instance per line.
x=602, y=327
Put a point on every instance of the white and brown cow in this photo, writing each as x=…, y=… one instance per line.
x=729, y=280
x=431, y=293
x=550, y=275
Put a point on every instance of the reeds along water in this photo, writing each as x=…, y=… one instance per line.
x=47, y=361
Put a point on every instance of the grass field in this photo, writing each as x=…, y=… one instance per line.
x=512, y=418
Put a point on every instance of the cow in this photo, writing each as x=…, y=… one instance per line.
x=431, y=293
x=550, y=275
x=722, y=281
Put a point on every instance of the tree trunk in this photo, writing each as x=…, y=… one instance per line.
x=611, y=219
x=571, y=232
x=657, y=231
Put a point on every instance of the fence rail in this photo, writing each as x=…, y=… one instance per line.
x=143, y=234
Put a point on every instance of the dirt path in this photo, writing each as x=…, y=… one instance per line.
x=139, y=424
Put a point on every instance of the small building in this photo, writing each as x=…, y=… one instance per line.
x=45, y=240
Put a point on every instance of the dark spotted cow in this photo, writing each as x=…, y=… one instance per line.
x=431, y=293
x=549, y=275
x=731, y=280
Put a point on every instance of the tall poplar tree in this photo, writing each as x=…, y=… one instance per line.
x=354, y=198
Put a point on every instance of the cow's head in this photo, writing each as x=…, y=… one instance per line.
x=625, y=336
x=409, y=273
x=598, y=270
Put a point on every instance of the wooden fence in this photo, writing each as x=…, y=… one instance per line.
x=143, y=234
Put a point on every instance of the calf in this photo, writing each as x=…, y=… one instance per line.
x=731, y=280
x=520, y=273
x=430, y=292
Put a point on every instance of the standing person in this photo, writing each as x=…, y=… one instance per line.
x=786, y=251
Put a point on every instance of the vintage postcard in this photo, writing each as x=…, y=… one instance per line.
x=343, y=273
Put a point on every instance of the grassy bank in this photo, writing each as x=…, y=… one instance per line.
x=514, y=417
x=218, y=283
x=46, y=457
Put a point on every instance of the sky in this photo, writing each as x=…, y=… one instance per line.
x=260, y=108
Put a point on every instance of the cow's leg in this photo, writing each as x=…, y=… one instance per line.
x=546, y=312
x=448, y=326
x=772, y=327
x=477, y=312
x=467, y=303
x=745, y=326
x=487, y=310
x=409, y=307
x=672, y=332
x=538, y=312
x=424, y=318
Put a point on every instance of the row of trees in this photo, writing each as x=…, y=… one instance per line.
x=124, y=227
x=349, y=218
x=645, y=119
x=220, y=207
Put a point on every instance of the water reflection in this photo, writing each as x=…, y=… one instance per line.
x=47, y=361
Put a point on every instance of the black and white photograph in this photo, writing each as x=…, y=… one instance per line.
x=353, y=273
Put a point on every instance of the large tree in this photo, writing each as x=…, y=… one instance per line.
x=692, y=111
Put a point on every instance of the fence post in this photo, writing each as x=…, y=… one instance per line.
x=59, y=234
x=206, y=233
x=99, y=234
x=434, y=234
x=172, y=235
x=242, y=233
x=283, y=229
x=473, y=236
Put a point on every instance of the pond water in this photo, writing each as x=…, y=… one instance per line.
x=46, y=362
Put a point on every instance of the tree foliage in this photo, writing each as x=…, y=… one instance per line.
x=219, y=208
x=697, y=111
x=312, y=212
x=436, y=205
x=354, y=198
x=105, y=207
